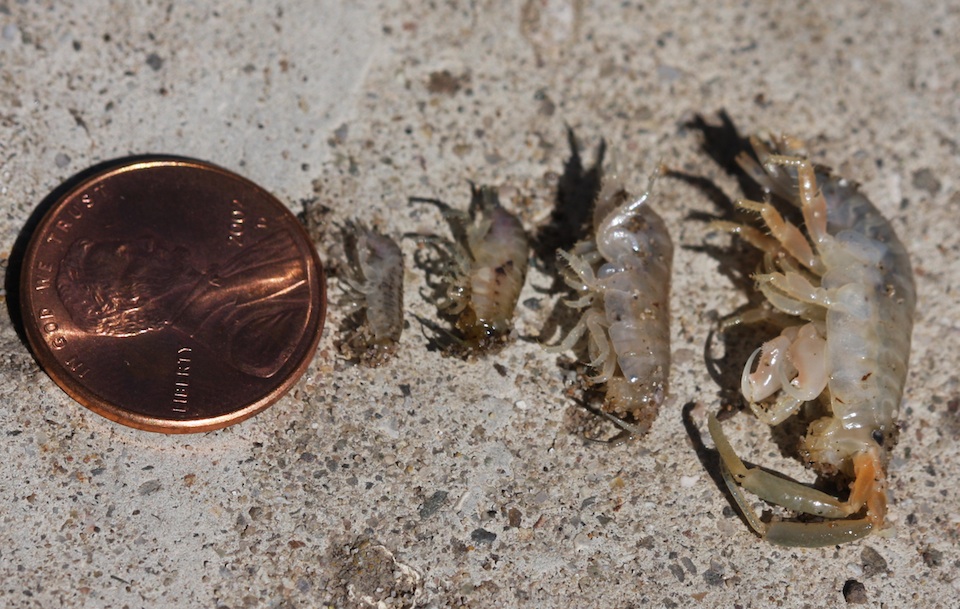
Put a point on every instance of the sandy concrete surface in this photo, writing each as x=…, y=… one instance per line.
x=439, y=482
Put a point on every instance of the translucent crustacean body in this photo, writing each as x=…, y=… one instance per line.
x=374, y=286
x=846, y=293
x=622, y=276
x=485, y=270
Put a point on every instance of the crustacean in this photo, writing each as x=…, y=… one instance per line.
x=373, y=282
x=622, y=277
x=481, y=272
x=844, y=294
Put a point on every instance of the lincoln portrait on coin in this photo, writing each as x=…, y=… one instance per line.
x=250, y=308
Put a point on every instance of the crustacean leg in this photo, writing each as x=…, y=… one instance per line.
x=598, y=347
x=764, y=243
x=787, y=238
x=793, y=363
x=812, y=202
x=786, y=233
x=591, y=323
x=868, y=489
x=796, y=285
x=570, y=339
x=452, y=265
x=751, y=235
x=582, y=279
x=813, y=206
x=762, y=173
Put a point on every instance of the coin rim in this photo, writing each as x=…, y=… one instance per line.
x=88, y=398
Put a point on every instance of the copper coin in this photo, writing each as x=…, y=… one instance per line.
x=172, y=295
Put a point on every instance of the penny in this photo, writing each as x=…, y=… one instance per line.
x=172, y=295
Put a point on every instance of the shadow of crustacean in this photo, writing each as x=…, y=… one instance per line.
x=570, y=221
x=708, y=457
x=723, y=143
x=738, y=263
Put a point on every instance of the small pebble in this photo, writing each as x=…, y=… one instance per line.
x=932, y=558
x=854, y=592
x=483, y=536
x=154, y=61
x=873, y=562
x=11, y=32
x=854, y=569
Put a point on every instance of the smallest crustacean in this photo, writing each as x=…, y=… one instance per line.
x=373, y=282
x=481, y=272
x=622, y=277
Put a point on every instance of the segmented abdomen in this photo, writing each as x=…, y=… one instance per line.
x=382, y=266
x=636, y=302
x=870, y=320
x=497, y=273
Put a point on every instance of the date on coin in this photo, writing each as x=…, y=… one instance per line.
x=172, y=295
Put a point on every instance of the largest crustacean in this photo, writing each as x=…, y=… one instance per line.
x=847, y=291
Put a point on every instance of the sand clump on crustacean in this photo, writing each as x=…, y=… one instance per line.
x=843, y=293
